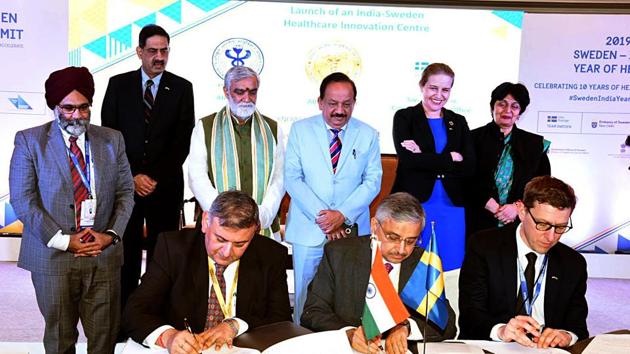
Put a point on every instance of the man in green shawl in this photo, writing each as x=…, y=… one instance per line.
x=237, y=148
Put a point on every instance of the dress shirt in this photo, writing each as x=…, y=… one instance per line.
x=60, y=240
x=538, y=308
x=342, y=132
x=205, y=192
x=228, y=274
x=154, y=87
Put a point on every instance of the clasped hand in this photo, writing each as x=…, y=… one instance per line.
x=90, y=248
x=331, y=222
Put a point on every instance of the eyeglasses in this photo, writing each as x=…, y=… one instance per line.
x=154, y=51
x=545, y=226
x=393, y=238
x=69, y=109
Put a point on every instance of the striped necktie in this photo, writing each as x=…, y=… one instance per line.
x=148, y=101
x=80, y=191
x=335, y=149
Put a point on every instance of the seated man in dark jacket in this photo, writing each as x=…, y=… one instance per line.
x=220, y=280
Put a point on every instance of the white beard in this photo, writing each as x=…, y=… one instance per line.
x=242, y=110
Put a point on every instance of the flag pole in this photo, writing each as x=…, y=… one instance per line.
x=426, y=309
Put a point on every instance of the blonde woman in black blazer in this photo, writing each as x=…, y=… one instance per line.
x=435, y=155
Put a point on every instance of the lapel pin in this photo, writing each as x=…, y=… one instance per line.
x=554, y=277
x=450, y=122
x=167, y=88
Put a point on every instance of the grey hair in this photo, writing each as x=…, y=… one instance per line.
x=238, y=73
x=234, y=209
x=401, y=207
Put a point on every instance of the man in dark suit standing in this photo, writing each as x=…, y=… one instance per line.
x=72, y=188
x=518, y=283
x=223, y=279
x=154, y=111
x=336, y=296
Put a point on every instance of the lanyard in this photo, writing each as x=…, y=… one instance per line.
x=529, y=301
x=85, y=175
x=226, y=308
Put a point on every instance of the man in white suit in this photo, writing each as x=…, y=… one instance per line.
x=332, y=172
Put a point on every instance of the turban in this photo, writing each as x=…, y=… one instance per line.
x=61, y=82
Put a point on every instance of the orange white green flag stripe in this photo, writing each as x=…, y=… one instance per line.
x=383, y=308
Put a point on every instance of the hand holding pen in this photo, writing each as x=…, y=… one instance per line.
x=198, y=349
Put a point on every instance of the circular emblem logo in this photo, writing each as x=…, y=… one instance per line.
x=371, y=291
x=332, y=57
x=237, y=52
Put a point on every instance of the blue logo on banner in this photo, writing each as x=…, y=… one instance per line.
x=552, y=119
x=20, y=103
x=594, y=125
x=237, y=52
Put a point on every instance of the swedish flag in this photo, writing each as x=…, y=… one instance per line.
x=424, y=291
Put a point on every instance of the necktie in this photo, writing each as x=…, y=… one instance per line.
x=388, y=267
x=80, y=191
x=335, y=149
x=148, y=101
x=215, y=314
x=530, y=272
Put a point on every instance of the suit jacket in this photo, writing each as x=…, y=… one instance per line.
x=313, y=187
x=159, y=150
x=530, y=160
x=42, y=194
x=176, y=286
x=416, y=173
x=488, y=285
x=336, y=296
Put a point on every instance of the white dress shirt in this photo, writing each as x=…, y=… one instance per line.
x=205, y=192
x=538, y=308
x=228, y=274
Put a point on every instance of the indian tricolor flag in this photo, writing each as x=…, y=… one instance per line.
x=383, y=307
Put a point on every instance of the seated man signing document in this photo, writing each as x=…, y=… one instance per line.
x=215, y=282
x=519, y=283
x=337, y=295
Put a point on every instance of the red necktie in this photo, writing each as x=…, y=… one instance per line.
x=80, y=191
x=388, y=267
x=215, y=314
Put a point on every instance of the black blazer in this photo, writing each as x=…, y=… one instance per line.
x=488, y=285
x=530, y=160
x=158, y=151
x=336, y=296
x=416, y=173
x=176, y=286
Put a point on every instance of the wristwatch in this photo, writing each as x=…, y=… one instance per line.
x=406, y=324
x=115, y=237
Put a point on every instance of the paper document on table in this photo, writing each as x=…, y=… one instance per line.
x=609, y=344
x=449, y=348
x=334, y=342
x=511, y=348
x=133, y=347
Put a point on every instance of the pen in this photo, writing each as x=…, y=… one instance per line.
x=190, y=331
x=354, y=153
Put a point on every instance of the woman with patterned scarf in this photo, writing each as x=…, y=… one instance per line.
x=507, y=158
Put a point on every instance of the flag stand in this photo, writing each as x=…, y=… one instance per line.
x=426, y=309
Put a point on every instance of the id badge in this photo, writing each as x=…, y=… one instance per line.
x=88, y=212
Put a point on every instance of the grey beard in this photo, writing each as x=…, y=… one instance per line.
x=242, y=110
x=74, y=127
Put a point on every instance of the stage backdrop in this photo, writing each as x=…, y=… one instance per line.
x=577, y=68
x=33, y=42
